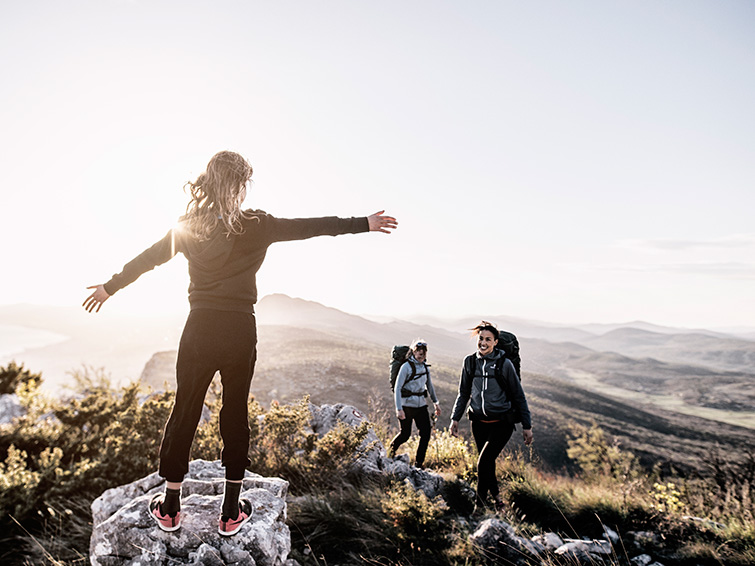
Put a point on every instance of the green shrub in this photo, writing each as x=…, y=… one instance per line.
x=99, y=438
x=444, y=452
x=13, y=376
x=18, y=485
x=598, y=458
x=284, y=445
x=411, y=511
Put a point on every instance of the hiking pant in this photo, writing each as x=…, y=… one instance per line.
x=212, y=340
x=420, y=416
x=490, y=439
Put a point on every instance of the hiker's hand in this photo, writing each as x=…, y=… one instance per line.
x=527, y=435
x=94, y=301
x=401, y=414
x=437, y=409
x=380, y=223
x=454, y=428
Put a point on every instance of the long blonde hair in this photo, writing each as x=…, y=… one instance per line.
x=216, y=196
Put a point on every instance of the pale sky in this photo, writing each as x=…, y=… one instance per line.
x=563, y=161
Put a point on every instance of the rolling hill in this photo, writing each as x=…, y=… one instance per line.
x=720, y=352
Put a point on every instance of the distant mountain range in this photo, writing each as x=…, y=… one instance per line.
x=671, y=395
x=689, y=371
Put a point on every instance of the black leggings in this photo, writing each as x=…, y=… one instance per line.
x=212, y=341
x=420, y=416
x=490, y=439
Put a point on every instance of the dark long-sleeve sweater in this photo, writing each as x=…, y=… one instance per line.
x=223, y=270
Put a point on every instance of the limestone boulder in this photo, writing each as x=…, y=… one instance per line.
x=125, y=534
x=498, y=538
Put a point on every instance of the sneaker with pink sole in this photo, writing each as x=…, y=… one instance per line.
x=166, y=523
x=228, y=526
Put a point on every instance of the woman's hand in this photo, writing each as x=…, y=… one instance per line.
x=401, y=414
x=454, y=428
x=96, y=299
x=437, y=409
x=380, y=223
x=527, y=435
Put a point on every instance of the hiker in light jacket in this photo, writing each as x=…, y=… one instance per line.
x=413, y=385
x=496, y=401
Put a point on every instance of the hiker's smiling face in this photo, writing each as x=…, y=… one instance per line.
x=486, y=342
x=420, y=354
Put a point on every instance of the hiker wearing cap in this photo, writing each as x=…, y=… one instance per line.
x=413, y=385
x=490, y=385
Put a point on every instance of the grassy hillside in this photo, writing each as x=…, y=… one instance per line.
x=50, y=471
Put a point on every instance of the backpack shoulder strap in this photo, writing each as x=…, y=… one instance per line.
x=469, y=365
x=498, y=373
x=500, y=364
x=413, y=375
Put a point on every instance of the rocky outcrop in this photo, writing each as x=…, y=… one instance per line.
x=325, y=417
x=125, y=534
x=498, y=541
x=498, y=538
x=375, y=462
x=494, y=537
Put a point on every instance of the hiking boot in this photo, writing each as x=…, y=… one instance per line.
x=228, y=526
x=167, y=523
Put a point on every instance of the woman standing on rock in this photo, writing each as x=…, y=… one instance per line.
x=225, y=247
x=413, y=384
x=490, y=382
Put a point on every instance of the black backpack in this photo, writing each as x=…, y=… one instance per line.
x=510, y=346
x=399, y=355
x=508, y=343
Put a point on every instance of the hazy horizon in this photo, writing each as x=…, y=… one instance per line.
x=108, y=318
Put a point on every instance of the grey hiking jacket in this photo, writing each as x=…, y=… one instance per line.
x=421, y=382
x=485, y=397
